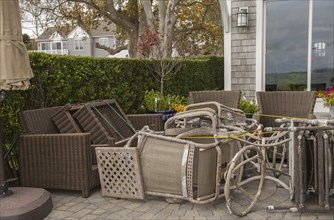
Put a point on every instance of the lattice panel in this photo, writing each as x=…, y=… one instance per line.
x=120, y=174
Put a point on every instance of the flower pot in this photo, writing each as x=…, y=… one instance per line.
x=166, y=114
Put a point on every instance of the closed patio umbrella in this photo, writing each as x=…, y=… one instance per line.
x=15, y=72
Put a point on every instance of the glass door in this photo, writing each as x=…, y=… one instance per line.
x=288, y=53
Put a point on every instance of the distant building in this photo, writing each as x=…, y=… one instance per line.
x=78, y=42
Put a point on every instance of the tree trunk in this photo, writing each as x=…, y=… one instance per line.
x=169, y=28
x=132, y=45
x=162, y=81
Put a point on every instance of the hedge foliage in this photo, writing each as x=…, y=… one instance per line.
x=68, y=79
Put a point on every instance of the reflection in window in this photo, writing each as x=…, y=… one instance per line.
x=320, y=49
x=287, y=30
x=286, y=45
x=323, y=45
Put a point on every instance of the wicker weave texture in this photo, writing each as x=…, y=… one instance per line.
x=38, y=121
x=57, y=161
x=299, y=104
x=154, y=121
x=64, y=121
x=90, y=124
x=119, y=170
x=228, y=98
x=113, y=119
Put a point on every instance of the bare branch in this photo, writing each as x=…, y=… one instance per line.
x=111, y=51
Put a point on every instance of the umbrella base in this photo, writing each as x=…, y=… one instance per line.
x=26, y=203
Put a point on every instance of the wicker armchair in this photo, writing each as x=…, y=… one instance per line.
x=228, y=98
x=57, y=150
x=49, y=159
x=299, y=104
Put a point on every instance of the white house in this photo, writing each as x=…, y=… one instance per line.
x=78, y=42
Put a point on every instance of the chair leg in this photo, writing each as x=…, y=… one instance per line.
x=85, y=193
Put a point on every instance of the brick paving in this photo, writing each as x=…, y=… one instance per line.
x=70, y=205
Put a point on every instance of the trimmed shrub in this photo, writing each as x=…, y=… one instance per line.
x=69, y=79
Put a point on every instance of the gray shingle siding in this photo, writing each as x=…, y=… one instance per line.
x=243, y=49
x=87, y=48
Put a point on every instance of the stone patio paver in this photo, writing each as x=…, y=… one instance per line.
x=70, y=205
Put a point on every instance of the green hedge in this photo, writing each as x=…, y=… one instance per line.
x=68, y=79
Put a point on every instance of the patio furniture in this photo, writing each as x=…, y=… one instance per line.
x=57, y=149
x=174, y=168
x=227, y=98
x=105, y=118
x=53, y=160
x=312, y=176
x=154, y=121
x=226, y=115
x=284, y=104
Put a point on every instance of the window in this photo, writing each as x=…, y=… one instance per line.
x=104, y=41
x=56, y=46
x=44, y=46
x=78, y=44
x=65, y=45
x=299, y=47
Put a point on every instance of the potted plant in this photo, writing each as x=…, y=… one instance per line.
x=328, y=97
x=249, y=107
x=168, y=105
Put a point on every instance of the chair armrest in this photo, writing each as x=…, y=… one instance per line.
x=154, y=121
x=55, y=160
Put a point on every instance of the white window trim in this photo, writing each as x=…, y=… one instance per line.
x=260, y=45
x=309, y=55
x=226, y=5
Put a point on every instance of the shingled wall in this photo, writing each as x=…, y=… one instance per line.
x=243, y=49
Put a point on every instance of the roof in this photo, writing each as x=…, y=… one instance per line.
x=47, y=33
x=104, y=29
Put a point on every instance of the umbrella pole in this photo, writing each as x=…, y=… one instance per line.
x=3, y=184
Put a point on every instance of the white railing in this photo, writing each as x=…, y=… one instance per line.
x=61, y=52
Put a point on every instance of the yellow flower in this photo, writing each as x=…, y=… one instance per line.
x=178, y=107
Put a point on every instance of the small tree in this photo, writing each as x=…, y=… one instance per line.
x=150, y=46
